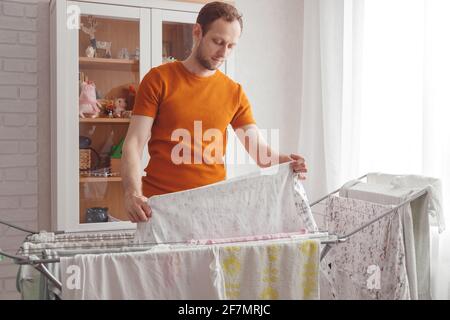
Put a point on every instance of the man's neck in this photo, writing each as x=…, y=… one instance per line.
x=196, y=68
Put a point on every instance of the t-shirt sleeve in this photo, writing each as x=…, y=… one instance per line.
x=148, y=96
x=243, y=115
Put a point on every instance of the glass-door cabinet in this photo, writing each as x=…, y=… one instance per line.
x=108, y=73
x=100, y=51
x=107, y=53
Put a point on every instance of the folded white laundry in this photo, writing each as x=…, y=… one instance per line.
x=415, y=181
x=266, y=203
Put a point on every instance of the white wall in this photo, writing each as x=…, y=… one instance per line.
x=269, y=65
x=24, y=114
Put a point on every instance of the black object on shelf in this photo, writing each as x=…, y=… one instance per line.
x=96, y=215
x=85, y=142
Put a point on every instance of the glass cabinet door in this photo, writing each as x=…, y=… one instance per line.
x=172, y=36
x=108, y=78
x=176, y=41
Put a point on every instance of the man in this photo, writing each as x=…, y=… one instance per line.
x=179, y=99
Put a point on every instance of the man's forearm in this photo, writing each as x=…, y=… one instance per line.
x=275, y=157
x=258, y=148
x=131, y=173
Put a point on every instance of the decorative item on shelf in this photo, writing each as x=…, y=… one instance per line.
x=131, y=96
x=116, y=156
x=99, y=173
x=108, y=107
x=86, y=153
x=90, y=30
x=96, y=215
x=88, y=104
x=92, y=50
x=123, y=54
x=137, y=54
x=85, y=142
x=105, y=46
x=120, y=105
x=85, y=159
x=82, y=77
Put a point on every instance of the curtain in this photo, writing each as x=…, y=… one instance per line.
x=376, y=98
x=331, y=96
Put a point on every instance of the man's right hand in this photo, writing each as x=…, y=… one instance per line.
x=137, y=208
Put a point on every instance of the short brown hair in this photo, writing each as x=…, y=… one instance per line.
x=218, y=10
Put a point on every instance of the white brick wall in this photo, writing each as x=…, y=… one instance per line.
x=19, y=147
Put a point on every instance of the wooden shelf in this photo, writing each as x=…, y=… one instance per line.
x=100, y=179
x=108, y=64
x=105, y=120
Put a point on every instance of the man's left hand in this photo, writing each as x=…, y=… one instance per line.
x=299, y=165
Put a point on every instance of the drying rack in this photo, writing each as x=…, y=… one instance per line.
x=40, y=263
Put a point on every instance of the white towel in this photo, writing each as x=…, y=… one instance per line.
x=287, y=270
x=270, y=202
x=160, y=274
x=417, y=182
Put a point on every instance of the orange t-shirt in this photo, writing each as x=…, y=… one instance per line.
x=178, y=99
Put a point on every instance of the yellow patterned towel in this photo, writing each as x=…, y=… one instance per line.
x=287, y=270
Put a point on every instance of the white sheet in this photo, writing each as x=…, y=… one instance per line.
x=371, y=264
x=160, y=274
x=270, y=202
x=273, y=269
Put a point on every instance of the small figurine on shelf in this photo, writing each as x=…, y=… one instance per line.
x=109, y=108
x=91, y=51
x=106, y=46
x=120, y=106
x=88, y=104
x=123, y=54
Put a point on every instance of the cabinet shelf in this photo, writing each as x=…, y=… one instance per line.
x=108, y=64
x=100, y=179
x=105, y=120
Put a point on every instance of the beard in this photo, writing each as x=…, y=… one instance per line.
x=203, y=60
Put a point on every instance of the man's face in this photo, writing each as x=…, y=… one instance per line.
x=216, y=45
